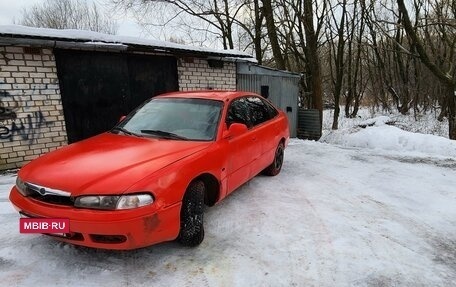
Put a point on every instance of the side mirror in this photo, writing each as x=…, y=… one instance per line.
x=234, y=130
x=122, y=118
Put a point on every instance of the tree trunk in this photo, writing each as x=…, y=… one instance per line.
x=335, y=124
x=312, y=52
x=350, y=83
x=272, y=34
x=443, y=76
x=451, y=112
x=339, y=66
x=355, y=107
x=257, y=33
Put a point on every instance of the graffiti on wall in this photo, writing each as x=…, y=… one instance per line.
x=7, y=113
x=13, y=127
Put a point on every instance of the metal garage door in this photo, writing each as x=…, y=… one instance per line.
x=97, y=87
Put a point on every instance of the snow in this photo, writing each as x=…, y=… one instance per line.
x=394, y=139
x=382, y=133
x=369, y=207
x=424, y=122
x=72, y=34
x=105, y=44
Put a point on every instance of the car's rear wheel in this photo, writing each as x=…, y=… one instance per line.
x=276, y=165
x=191, y=217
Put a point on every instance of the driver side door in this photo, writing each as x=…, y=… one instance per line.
x=241, y=148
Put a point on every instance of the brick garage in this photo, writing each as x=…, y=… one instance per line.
x=33, y=120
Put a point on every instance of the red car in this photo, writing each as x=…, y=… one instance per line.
x=146, y=180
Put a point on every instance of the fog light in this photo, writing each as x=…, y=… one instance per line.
x=98, y=238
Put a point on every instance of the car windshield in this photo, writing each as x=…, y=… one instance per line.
x=174, y=118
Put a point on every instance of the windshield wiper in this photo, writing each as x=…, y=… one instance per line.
x=164, y=134
x=125, y=131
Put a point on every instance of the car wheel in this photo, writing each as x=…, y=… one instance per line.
x=276, y=165
x=191, y=217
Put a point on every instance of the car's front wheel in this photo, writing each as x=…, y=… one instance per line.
x=276, y=165
x=191, y=217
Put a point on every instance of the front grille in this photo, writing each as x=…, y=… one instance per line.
x=53, y=199
x=49, y=195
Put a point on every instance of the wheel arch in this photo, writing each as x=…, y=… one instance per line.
x=212, y=185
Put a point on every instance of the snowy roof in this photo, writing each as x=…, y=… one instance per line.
x=11, y=34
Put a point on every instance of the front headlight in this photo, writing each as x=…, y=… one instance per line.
x=114, y=202
x=21, y=186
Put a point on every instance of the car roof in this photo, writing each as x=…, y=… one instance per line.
x=207, y=94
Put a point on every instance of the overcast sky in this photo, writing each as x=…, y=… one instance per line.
x=10, y=10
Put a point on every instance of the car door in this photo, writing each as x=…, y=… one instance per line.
x=241, y=148
x=264, y=131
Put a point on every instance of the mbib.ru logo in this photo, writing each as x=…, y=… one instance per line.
x=44, y=225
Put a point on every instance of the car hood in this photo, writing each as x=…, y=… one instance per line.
x=106, y=164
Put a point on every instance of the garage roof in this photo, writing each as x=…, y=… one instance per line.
x=68, y=38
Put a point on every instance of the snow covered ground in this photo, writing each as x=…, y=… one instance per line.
x=364, y=209
x=425, y=123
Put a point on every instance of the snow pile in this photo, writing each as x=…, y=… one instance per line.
x=378, y=135
x=425, y=122
x=394, y=139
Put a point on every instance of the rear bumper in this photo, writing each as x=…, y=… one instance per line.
x=120, y=230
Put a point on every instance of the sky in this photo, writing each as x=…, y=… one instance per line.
x=10, y=11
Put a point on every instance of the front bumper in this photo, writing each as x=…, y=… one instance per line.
x=116, y=229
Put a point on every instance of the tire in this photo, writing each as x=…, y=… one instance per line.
x=276, y=165
x=191, y=218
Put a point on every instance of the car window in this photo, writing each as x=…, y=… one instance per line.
x=239, y=112
x=271, y=109
x=260, y=110
x=177, y=118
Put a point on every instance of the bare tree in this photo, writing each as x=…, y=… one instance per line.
x=272, y=33
x=337, y=55
x=218, y=17
x=355, y=79
x=312, y=56
x=68, y=14
x=444, y=66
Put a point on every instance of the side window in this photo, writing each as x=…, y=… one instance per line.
x=271, y=110
x=239, y=112
x=260, y=110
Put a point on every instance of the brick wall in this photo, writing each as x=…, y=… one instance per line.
x=197, y=74
x=31, y=114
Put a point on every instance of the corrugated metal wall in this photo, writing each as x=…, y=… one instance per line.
x=283, y=88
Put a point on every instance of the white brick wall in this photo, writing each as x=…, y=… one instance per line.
x=31, y=113
x=198, y=75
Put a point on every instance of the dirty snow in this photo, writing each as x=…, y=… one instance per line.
x=349, y=214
